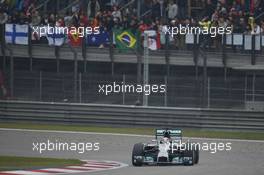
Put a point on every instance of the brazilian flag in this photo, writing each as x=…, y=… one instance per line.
x=125, y=40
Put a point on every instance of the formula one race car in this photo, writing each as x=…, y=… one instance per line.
x=166, y=149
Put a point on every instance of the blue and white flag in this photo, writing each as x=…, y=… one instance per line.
x=56, y=36
x=56, y=39
x=98, y=39
x=16, y=34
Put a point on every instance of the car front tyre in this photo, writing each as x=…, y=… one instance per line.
x=138, y=154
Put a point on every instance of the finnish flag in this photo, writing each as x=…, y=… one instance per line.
x=16, y=34
x=56, y=38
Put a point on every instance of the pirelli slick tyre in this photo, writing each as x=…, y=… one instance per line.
x=195, y=150
x=138, y=154
x=189, y=153
x=196, y=156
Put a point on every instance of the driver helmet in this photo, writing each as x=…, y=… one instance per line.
x=167, y=134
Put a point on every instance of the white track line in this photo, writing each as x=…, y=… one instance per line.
x=62, y=170
x=85, y=167
x=126, y=135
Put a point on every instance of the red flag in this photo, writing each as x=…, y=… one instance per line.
x=75, y=39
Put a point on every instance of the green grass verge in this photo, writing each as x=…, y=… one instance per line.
x=14, y=163
x=140, y=131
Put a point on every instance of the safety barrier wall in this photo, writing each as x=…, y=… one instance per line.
x=131, y=116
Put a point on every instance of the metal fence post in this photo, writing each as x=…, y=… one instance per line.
x=30, y=49
x=208, y=93
x=253, y=86
x=40, y=86
x=205, y=75
x=111, y=52
x=224, y=50
x=45, y=7
x=245, y=91
x=57, y=55
x=224, y=57
x=56, y=7
x=167, y=54
x=146, y=68
x=253, y=51
x=11, y=70
x=84, y=54
x=196, y=55
x=139, y=67
x=75, y=74
x=123, y=92
x=165, y=94
x=138, y=9
x=80, y=87
x=3, y=45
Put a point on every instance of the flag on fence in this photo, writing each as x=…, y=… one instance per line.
x=125, y=40
x=56, y=37
x=98, y=39
x=153, y=39
x=75, y=39
x=16, y=34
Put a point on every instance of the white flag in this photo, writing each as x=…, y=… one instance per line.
x=152, y=44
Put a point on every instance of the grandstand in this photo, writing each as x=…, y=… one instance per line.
x=225, y=71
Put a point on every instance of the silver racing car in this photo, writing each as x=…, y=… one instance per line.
x=166, y=149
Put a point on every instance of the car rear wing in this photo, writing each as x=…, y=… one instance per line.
x=174, y=133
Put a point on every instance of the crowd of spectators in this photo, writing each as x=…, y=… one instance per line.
x=244, y=16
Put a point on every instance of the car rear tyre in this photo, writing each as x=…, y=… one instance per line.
x=195, y=150
x=189, y=153
x=196, y=156
x=138, y=151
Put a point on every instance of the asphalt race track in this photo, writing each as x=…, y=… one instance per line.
x=245, y=158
